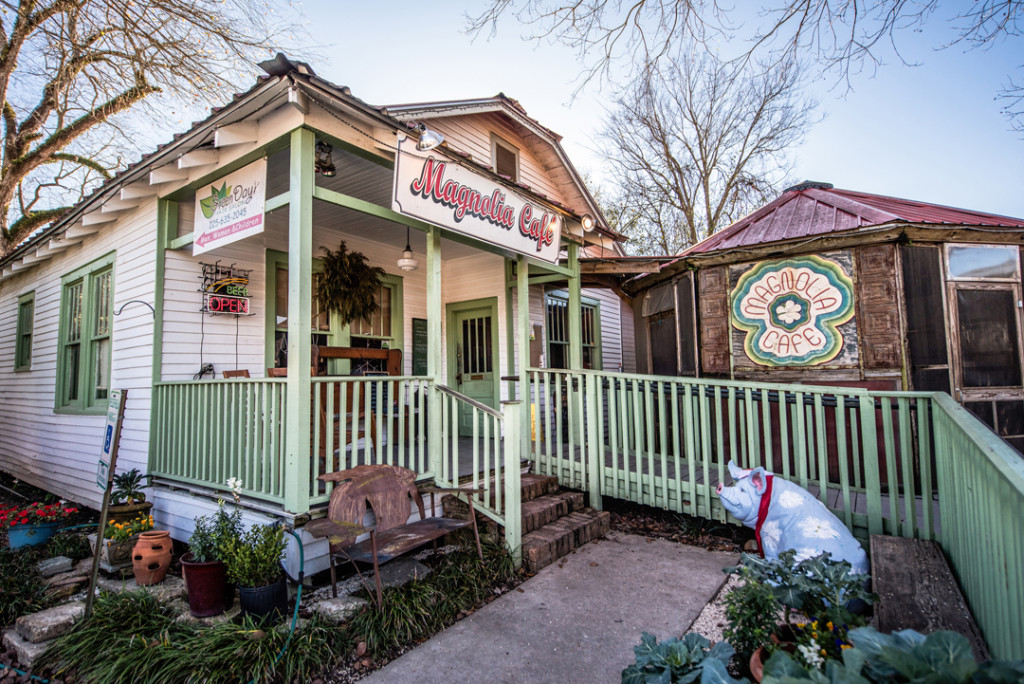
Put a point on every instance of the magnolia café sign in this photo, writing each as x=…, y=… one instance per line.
x=791, y=311
x=231, y=208
x=447, y=194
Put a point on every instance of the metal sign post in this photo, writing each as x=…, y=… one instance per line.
x=105, y=478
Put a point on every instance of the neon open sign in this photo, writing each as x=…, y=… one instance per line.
x=227, y=305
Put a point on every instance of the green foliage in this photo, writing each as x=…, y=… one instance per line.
x=127, y=488
x=348, y=285
x=212, y=533
x=751, y=610
x=74, y=545
x=22, y=590
x=817, y=587
x=678, y=660
x=459, y=582
x=254, y=558
x=133, y=637
x=906, y=656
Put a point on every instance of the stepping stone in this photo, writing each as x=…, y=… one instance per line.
x=171, y=588
x=50, y=623
x=340, y=609
x=25, y=651
x=53, y=566
x=189, y=619
x=398, y=572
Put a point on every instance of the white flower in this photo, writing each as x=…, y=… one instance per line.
x=235, y=485
x=818, y=528
x=788, y=312
x=810, y=654
x=790, y=499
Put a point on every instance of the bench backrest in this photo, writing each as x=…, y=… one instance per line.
x=386, y=489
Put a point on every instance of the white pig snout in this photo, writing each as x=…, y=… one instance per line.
x=718, y=489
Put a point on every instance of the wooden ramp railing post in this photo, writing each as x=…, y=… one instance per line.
x=511, y=417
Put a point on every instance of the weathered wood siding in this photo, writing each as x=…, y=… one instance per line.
x=714, y=320
x=57, y=451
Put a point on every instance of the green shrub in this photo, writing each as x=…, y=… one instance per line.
x=689, y=659
x=254, y=559
x=212, y=534
x=904, y=656
x=74, y=545
x=22, y=590
x=133, y=637
x=751, y=610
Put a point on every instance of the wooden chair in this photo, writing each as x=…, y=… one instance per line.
x=387, y=490
x=243, y=373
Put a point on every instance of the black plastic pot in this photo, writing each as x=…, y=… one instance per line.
x=270, y=601
x=206, y=584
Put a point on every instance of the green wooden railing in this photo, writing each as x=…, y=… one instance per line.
x=898, y=463
x=204, y=432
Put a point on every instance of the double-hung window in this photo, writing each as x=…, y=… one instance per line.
x=83, y=358
x=23, y=343
x=557, y=309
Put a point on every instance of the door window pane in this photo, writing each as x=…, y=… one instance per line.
x=974, y=261
x=989, y=351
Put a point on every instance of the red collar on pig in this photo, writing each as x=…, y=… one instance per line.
x=762, y=512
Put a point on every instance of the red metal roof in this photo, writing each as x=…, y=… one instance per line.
x=812, y=209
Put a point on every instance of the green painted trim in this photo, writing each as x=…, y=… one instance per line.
x=362, y=206
x=380, y=160
x=166, y=220
x=21, y=329
x=453, y=308
x=575, y=317
x=81, y=406
x=566, y=271
x=510, y=353
x=523, y=326
x=541, y=280
x=276, y=202
x=595, y=304
x=181, y=242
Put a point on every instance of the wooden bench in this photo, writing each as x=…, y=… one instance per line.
x=916, y=590
x=387, y=491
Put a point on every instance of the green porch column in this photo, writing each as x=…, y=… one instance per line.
x=300, y=313
x=523, y=331
x=575, y=310
x=435, y=349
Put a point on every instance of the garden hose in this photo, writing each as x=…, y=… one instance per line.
x=280, y=654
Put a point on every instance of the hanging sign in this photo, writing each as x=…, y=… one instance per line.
x=231, y=208
x=791, y=310
x=447, y=194
x=111, y=437
x=225, y=289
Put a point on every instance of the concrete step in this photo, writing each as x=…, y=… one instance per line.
x=50, y=623
x=548, y=508
x=544, y=546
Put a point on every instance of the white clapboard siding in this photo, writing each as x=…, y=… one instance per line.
x=628, y=346
x=59, y=452
x=611, y=326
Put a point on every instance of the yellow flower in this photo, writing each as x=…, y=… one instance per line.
x=845, y=646
x=830, y=625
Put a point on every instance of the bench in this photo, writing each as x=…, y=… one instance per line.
x=916, y=590
x=387, y=491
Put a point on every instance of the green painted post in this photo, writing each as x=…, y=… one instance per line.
x=511, y=415
x=300, y=294
x=575, y=310
x=435, y=354
x=523, y=328
x=872, y=477
x=594, y=449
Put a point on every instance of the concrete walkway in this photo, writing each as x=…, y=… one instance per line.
x=575, y=622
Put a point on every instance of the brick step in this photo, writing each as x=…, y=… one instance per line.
x=544, y=546
x=548, y=508
x=531, y=486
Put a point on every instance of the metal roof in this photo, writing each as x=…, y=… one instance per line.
x=815, y=209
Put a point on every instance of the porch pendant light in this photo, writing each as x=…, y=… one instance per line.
x=428, y=139
x=323, y=164
x=408, y=262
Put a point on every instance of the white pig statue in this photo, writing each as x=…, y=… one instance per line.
x=786, y=516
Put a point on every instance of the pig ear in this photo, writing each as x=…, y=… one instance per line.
x=736, y=472
x=757, y=478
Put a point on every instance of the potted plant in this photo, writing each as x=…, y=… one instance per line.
x=126, y=498
x=348, y=285
x=203, y=567
x=254, y=562
x=119, y=538
x=35, y=523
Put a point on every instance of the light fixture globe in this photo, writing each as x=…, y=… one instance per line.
x=428, y=139
x=408, y=262
x=588, y=223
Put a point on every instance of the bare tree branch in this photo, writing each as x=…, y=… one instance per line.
x=697, y=143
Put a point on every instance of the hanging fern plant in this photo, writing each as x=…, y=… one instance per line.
x=348, y=285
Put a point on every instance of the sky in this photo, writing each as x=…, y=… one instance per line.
x=931, y=132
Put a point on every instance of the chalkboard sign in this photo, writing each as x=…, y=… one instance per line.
x=419, y=346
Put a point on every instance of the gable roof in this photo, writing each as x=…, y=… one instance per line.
x=814, y=209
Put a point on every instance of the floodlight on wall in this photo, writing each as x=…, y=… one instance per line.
x=322, y=163
x=588, y=223
x=428, y=139
x=408, y=262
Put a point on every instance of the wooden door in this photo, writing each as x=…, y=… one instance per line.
x=474, y=338
x=987, y=360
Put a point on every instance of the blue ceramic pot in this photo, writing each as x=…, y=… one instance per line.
x=30, y=535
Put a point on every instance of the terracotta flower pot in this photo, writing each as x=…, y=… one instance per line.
x=206, y=584
x=757, y=659
x=151, y=557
